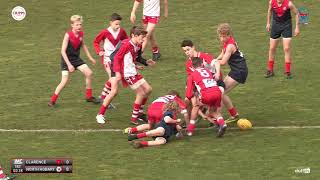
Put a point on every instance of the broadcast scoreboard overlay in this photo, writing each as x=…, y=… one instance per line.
x=29, y=165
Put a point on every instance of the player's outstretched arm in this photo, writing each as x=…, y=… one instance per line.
x=64, y=54
x=133, y=12
x=93, y=61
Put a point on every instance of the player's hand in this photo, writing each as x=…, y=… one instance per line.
x=178, y=120
x=268, y=27
x=216, y=76
x=151, y=62
x=71, y=68
x=133, y=18
x=101, y=53
x=296, y=31
x=140, y=67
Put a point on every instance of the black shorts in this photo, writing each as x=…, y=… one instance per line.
x=113, y=74
x=239, y=76
x=168, y=130
x=284, y=29
x=75, y=63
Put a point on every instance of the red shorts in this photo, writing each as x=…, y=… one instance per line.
x=211, y=97
x=135, y=81
x=155, y=112
x=150, y=19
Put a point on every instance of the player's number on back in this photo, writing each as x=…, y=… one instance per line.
x=203, y=73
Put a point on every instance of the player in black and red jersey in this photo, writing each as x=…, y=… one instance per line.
x=70, y=60
x=281, y=26
x=238, y=68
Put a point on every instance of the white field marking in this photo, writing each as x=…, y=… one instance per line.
x=120, y=130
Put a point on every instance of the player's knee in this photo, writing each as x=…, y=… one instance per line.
x=286, y=49
x=161, y=140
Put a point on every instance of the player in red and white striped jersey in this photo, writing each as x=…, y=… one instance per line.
x=125, y=69
x=109, y=38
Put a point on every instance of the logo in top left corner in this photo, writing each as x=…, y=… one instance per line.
x=18, y=13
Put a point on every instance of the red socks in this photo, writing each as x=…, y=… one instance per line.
x=141, y=135
x=106, y=89
x=144, y=143
x=288, y=67
x=88, y=93
x=135, y=112
x=270, y=64
x=102, y=110
x=220, y=121
x=233, y=112
x=54, y=97
x=155, y=49
x=133, y=130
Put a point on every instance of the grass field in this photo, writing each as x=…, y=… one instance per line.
x=30, y=71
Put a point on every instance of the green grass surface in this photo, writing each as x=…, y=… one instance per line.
x=30, y=71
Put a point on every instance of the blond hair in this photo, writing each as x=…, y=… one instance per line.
x=224, y=29
x=74, y=18
x=172, y=106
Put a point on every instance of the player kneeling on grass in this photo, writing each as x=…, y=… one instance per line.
x=210, y=94
x=70, y=60
x=166, y=128
x=124, y=68
x=155, y=111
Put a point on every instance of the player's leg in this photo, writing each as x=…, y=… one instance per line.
x=158, y=141
x=86, y=71
x=287, y=56
x=230, y=84
x=107, y=100
x=153, y=42
x=107, y=85
x=147, y=89
x=61, y=85
x=194, y=114
x=159, y=131
x=140, y=96
x=141, y=127
x=272, y=52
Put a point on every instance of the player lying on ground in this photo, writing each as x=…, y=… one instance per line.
x=110, y=38
x=124, y=68
x=209, y=94
x=155, y=111
x=70, y=60
x=167, y=127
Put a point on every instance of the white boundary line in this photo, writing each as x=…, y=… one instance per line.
x=120, y=130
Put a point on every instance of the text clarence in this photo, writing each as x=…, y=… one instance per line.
x=36, y=162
